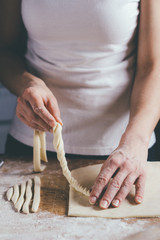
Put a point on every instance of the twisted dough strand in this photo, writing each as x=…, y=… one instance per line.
x=59, y=147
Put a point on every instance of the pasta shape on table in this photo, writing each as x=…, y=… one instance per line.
x=22, y=199
x=40, y=148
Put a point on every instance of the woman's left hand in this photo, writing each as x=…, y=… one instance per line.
x=127, y=166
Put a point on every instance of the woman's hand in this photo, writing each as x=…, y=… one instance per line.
x=127, y=165
x=37, y=107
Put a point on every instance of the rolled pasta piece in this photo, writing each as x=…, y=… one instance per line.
x=20, y=201
x=43, y=154
x=36, y=198
x=59, y=147
x=40, y=143
x=9, y=193
x=37, y=153
x=26, y=204
x=15, y=195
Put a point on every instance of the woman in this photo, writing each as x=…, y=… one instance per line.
x=96, y=63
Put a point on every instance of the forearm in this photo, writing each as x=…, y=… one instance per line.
x=145, y=104
x=13, y=72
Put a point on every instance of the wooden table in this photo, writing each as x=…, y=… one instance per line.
x=54, y=206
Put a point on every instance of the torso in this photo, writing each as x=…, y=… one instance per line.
x=85, y=51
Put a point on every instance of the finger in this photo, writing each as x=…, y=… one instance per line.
x=53, y=108
x=27, y=116
x=124, y=190
x=102, y=180
x=30, y=124
x=140, y=186
x=25, y=109
x=113, y=188
x=39, y=108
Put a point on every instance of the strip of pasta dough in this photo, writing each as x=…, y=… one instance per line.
x=36, y=198
x=59, y=147
x=9, y=193
x=15, y=194
x=20, y=201
x=43, y=154
x=25, y=208
x=37, y=151
x=40, y=147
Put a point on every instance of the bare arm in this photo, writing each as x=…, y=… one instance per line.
x=36, y=105
x=128, y=161
x=145, y=101
x=11, y=46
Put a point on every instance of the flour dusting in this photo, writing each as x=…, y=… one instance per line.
x=45, y=225
x=48, y=226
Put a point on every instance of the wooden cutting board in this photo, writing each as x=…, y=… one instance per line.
x=54, y=186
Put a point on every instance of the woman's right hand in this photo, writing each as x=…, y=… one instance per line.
x=36, y=106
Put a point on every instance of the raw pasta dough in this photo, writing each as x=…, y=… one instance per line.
x=15, y=194
x=36, y=199
x=39, y=150
x=9, y=193
x=22, y=201
x=59, y=147
x=25, y=208
x=79, y=206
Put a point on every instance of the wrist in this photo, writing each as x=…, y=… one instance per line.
x=136, y=136
x=29, y=80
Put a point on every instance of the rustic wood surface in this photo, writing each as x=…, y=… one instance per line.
x=54, y=187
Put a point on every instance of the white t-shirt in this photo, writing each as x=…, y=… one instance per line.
x=85, y=52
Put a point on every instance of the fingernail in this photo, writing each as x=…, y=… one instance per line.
x=93, y=200
x=104, y=204
x=138, y=200
x=115, y=203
